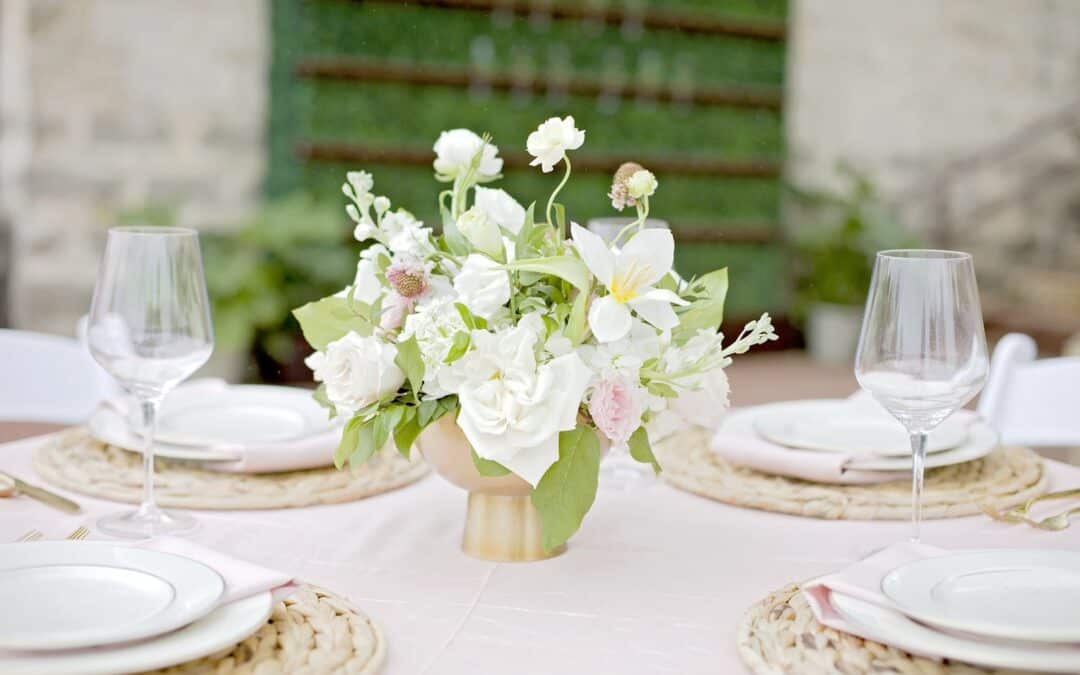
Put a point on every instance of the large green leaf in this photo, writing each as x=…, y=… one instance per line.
x=329, y=319
x=563, y=266
x=487, y=467
x=408, y=428
x=412, y=364
x=566, y=492
x=641, y=449
x=707, y=308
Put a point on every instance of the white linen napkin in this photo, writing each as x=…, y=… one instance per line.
x=243, y=579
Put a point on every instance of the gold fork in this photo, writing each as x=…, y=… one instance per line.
x=32, y=535
x=1019, y=514
x=79, y=534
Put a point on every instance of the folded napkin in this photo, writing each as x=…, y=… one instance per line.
x=243, y=579
x=819, y=467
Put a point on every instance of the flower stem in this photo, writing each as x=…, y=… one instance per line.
x=639, y=222
x=551, y=199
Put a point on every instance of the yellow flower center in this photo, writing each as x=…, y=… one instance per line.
x=626, y=286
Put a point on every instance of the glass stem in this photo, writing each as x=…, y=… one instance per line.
x=149, y=418
x=918, y=463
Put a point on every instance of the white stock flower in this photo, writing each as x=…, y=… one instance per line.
x=455, y=150
x=501, y=208
x=405, y=235
x=549, y=143
x=705, y=405
x=626, y=355
x=360, y=181
x=512, y=408
x=482, y=285
x=434, y=325
x=357, y=371
x=629, y=275
x=642, y=184
x=481, y=231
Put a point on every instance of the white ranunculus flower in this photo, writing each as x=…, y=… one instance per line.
x=481, y=231
x=434, y=325
x=512, y=408
x=705, y=406
x=482, y=285
x=549, y=143
x=455, y=150
x=357, y=371
x=642, y=184
x=629, y=275
x=501, y=208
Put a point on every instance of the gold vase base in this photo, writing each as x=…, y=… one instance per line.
x=504, y=529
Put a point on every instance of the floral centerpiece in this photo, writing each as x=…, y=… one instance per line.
x=544, y=342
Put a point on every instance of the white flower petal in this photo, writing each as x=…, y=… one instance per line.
x=653, y=246
x=657, y=312
x=663, y=294
x=609, y=319
x=594, y=252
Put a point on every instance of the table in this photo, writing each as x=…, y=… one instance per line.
x=655, y=582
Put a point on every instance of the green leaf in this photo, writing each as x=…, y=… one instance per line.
x=661, y=389
x=577, y=322
x=641, y=450
x=566, y=492
x=707, y=311
x=432, y=409
x=522, y=241
x=350, y=435
x=412, y=364
x=385, y=423
x=365, y=444
x=329, y=319
x=458, y=347
x=471, y=321
x=487, y=467
x=560, y=216
x=407, y=431
x=565, y=267
x=320, y=397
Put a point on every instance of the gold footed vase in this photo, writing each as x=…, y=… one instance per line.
x=501, y=523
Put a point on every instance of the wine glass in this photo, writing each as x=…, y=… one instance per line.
x=150, y=328
x=922, y=351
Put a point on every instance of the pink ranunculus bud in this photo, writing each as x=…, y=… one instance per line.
x=616, y=408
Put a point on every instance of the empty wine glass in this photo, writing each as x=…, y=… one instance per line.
x=150, y=328
x=922, y=351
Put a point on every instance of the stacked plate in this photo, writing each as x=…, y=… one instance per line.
x=96, y=607
x=1005, y=608
x=231, y=427
x=863, y=431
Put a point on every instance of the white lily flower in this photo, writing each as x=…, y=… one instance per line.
x=549, y=143
x=629, y=275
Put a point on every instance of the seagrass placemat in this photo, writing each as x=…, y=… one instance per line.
x=312, y=632
x=779, y=636
x=75, y=461
x=1003, y=478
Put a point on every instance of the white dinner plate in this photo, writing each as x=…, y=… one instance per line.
x=891, y=627
x=206, y=415
x=981, y=441
x=108, y=425
x=222, y=628
x=1006, y=593
x=841, y=426
x=65, y=594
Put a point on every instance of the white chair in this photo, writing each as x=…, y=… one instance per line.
x=1032, y=402
x=48, y=378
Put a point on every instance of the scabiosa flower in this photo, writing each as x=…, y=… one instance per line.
x=408, y=278
x=620, y=191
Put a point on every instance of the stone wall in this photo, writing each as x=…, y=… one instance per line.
x=132, y=103
x=966, y=113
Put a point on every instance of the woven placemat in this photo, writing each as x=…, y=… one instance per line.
x=312, y=632
x=1003, y=478
x=779, y=635
x=75, y=461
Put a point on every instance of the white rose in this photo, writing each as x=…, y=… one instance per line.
x=501, y=207
x=549, y=143
x=455, y=150
x=642, y=184
x=705, y=406
x=481, y=231
x=483, y=285
x=512, y=410
x=357, y=371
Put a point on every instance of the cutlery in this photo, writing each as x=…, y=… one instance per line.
x=1054, y=523
x=79, y=534
x=32, y=535
x=14, y=485
x=1018, y=514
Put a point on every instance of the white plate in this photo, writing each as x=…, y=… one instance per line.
x=857, y=429
x=1006, y=593
x=64, y=594
x=110, y=426
x=982, y=439
x=893, y=628
x=207, y=415
x=222, y=628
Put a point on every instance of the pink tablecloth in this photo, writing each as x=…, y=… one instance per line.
x=655, y=582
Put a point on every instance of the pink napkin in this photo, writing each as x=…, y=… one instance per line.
x=242, y=579
x=811, y=465
x=308, y=453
